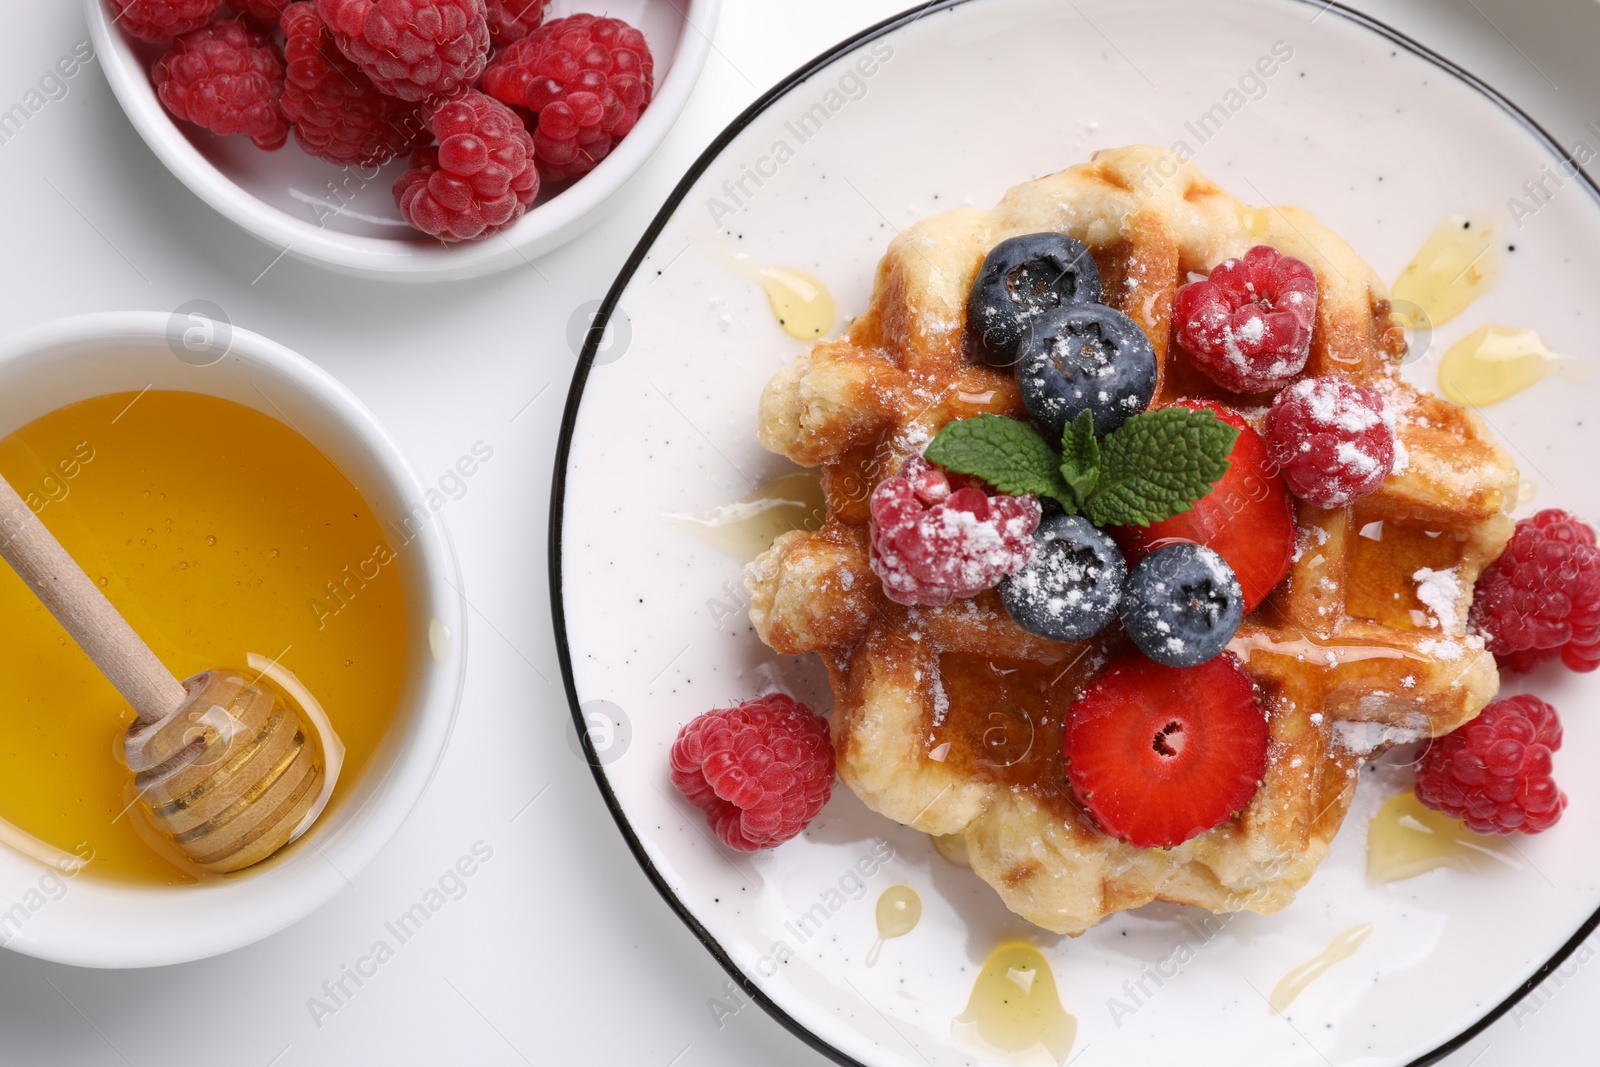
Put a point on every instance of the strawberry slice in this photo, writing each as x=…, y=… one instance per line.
x=1247, y=518
x=1160, y=754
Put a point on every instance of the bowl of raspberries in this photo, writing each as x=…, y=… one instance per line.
x=405, y=139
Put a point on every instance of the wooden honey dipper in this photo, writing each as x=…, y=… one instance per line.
x=223, y=769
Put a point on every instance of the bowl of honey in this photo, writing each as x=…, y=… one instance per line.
x=241, y=508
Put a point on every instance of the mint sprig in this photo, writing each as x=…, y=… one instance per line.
x=1080, y=458
x=1158, y=464
x=1009, y=455
x=1155, y=465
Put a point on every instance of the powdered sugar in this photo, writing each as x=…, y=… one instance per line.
x=941, y=699
x=1402, y=458
x=1352, y=455
x=1361, y=738
x=1449, y=651
x=1440, y=591
x=1332, y=407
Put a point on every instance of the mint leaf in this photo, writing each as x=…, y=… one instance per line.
x=1009, y=455
x=1158, y=464
x=1080, y=457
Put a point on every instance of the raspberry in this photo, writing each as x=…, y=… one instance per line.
x=226, y=77
x=512, y=20
x=1581, y=657
x=480, y=177
x=1527, y=659
x=760, y=771
x=585, y=78
x=1333, y=440
x=157, y=21
x=412, y=49
x=267, y=11
x=1494, y=773
x=336, y=112
x=1541, y=597
x=1248, y=325
x=933, y=543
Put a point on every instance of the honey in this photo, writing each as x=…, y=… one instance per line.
x=1014, y=1013
x=899, y=911
x=1406, y=839
x=803, y=305
x=747, y=527
x=220, y=534
x=1459, y=262
x=800, y=302
x=1294, y=983
x=1495, y=363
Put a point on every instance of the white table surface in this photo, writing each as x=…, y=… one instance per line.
x=559, y=952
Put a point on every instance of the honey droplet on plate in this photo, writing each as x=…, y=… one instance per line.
x=747, y=527
x=1458, y=263
x=1494, y=363
x=803, y=305
x=1406, y=839
x=800, y=302
x=899, y=911
x=1294, y=983
x=1014, y=1013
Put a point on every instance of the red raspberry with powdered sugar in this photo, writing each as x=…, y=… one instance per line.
x=761, y=771
x=1248, y=325
x=1333, y=440
x=934, y=542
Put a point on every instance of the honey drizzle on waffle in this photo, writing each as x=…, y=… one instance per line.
x=917, y=690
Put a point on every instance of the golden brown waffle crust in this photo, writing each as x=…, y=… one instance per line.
x=1362, y=647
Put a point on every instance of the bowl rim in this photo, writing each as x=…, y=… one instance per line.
x=284, y=894
x=541, y=230
x=586, y=360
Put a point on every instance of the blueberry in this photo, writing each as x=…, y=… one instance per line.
x=1182, y=604
x=1086, y=357
x=1072, y=587
x=1020, y=280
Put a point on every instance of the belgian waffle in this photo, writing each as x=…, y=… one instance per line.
x=949, y=719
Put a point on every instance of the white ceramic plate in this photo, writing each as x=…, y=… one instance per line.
x=345, y=218
x=1368, y=130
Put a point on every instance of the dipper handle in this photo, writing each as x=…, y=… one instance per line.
x=84, y=612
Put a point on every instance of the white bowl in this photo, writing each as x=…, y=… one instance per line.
x=100, y=924
x=345, y=218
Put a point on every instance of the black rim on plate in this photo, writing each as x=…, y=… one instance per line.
x=580, y=377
